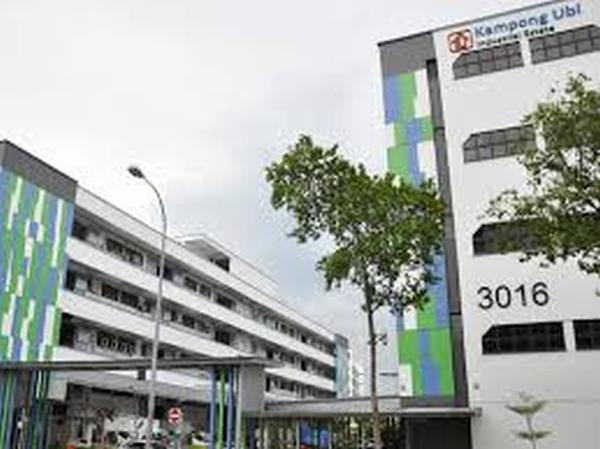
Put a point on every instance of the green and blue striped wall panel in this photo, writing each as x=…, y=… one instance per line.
x=424, y=341
x=34, y=225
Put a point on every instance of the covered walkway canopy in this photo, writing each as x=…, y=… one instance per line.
x=137, y=364
x=361, y=406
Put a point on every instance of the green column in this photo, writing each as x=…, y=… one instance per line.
x=221, y=421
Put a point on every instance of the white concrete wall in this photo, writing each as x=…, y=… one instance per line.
x=567, y=380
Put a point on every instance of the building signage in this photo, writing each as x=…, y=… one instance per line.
x=513, y=27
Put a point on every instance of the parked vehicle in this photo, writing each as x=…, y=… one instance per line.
x=140, y=444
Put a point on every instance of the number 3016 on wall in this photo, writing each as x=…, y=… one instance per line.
x=503, y=297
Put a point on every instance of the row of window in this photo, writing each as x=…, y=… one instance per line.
x=540, y=337
x=129, y=253
x=544, y=48
x=84, y=284
x=565, y=44
x=490, y=60
x=180, y=316
x=274, y=384
x=77, y=334
x=497, y=143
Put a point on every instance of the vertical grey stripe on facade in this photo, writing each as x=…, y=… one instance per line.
x=406, y=55
x=450, y=252
x=36, y=171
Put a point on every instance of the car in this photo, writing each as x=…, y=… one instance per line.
x=142, y=445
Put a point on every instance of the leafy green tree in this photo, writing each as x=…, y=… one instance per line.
x=385, y=231
x=559, y=211
x=527, y=408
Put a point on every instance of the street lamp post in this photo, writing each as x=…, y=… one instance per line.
x=137, y=173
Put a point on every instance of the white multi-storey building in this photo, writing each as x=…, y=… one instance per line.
x=455, y=98
x=214, y=304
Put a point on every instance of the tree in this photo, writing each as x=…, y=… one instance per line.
x=527, y=408
x=560, y=211
x=385, y=231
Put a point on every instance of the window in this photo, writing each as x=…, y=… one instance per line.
x=146, y=306
x=113, y=343
x=222, y=262
x=190, y=283
x=188, y=321
x=499, y=238
x=223, y=337
x=133, y=256
x=520, y=338
x=70, y=280
x=489, y=60
x=167, y=272
x=130, y=300
x=202, y=327
x=128, y=254
x=565, y=44
x=114, y=247
x=205, y=290
x=225, y=302
x=498, y=143
x=587, y=334
x=108, y=291
x=80, y=231
x=67, y=331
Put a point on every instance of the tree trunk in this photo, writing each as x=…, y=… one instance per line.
x=373, y=362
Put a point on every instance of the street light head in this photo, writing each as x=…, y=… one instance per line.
x=135, y=171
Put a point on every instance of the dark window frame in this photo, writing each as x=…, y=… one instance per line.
x=524, y=338
x=498, y=143
x=587, y=334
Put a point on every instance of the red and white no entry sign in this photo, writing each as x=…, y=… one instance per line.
x=175, y=415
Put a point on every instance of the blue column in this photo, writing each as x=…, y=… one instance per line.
x=252, y=432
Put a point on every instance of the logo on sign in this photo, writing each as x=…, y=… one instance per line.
x=175, y=416
x=460, y=41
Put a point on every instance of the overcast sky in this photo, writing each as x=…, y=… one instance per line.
x=203, y=95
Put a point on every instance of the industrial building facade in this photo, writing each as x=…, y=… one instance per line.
x=79, y=279
x=454, y=101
